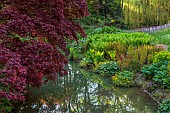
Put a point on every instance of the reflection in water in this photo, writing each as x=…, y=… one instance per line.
x=85, y=92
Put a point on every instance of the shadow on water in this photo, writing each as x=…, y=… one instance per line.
x=85, y=92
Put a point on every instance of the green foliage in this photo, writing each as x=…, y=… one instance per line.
x=124, y=78
x=104, y=13
x=102, y=41
x=136, y=57
x=164, y=107
x=95, y=56
x=158, y=72
x=107, y=68
x=131, y=50
x=162, y=56
x=75, y=54
x=162, y=37
x=86, y=63
x=150, y=70
x=76, y=50
x=1, y=66
x=21, y=38
x=5, y=106
x=112, y=55
x=106, y=30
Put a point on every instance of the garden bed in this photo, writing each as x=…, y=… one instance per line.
x=129, y=59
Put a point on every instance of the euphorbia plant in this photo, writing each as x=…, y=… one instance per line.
x=33, y=37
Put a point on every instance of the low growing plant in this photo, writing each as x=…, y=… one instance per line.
x=164, y=107
x=96, y=56
x=158, y=72
x=124, y=78
x=86, y=63
x=106, y=30
x=149, y=71
x=5, y=106
x=107, y=68
x=162, y=56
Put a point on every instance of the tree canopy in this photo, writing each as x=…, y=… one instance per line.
x=33, y=36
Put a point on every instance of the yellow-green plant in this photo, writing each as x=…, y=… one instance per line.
x=95, y=56
x=162, y=56
x=137, y=57
x=124, y=78
x=98, y=57
x=112, y=55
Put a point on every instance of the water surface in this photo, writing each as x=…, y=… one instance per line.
x=85, y=92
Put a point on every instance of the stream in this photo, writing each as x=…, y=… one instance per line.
x=85, y=92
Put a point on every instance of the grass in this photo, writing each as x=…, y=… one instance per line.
x=162, y=37
x=161, y=33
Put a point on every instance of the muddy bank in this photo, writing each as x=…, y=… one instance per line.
x=152, y=89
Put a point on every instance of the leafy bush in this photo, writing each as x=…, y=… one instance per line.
x=99, y=41
x=5, y=106
x=75, y=54
x=112, y=55
x=149, y=71
x=95, y=56
x=158, y=72
x=105, y=30
x=124, y=78
x=164, y=107
x=86, y=63
x=136, y=57
x=76, y=50
x=163, y=74
x=107, y=68
x=162, y=56
x=131, y=50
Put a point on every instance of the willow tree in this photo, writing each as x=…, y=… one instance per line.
x=33, y=36
x=143, y=13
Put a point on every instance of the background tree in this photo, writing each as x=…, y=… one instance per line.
x=109, y=11
x=128, y=13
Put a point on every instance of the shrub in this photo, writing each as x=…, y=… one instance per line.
x=158, y=72
x=124, y=78
x=95, y=56
x=5, y=106
x=112, y=55
x=135, y=39
x=136, y=57
x=162, y=56
x=131, y=50
x=105, y=30
x=86, y=63
x=107, y=68
x=164, y=107
x=149, y=71
x=75, y=54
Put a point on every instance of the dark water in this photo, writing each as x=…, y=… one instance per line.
x=85, y=92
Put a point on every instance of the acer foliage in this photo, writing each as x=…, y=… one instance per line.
x=33, y=36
